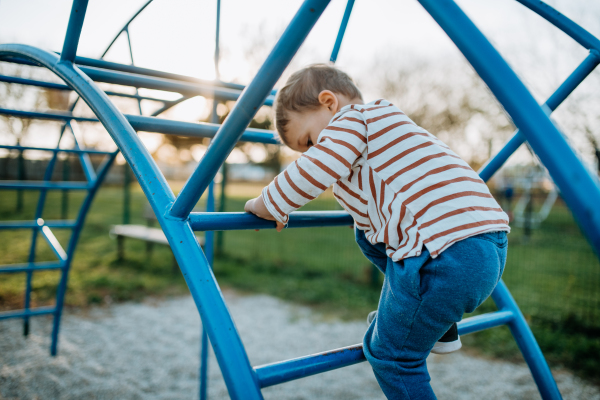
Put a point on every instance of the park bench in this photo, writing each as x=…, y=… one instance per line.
x=146, y=233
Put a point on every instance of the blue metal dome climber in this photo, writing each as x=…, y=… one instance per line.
x=579, y=188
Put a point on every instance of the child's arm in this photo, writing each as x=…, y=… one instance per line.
x=340, y=144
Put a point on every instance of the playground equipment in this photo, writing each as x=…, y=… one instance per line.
x=580, y=190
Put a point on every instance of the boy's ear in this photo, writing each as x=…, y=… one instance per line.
x=328, y=99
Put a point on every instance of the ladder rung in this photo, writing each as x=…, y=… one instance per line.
x=34, y=224
x=484, y=321
x=28, y=313
x=289, y=370
x=88, y=151
x=33, y=266
x=32, y=185
x=202, y=221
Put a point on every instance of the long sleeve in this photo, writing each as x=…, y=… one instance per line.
x=330, y=160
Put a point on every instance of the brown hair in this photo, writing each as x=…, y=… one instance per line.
x=302, y=89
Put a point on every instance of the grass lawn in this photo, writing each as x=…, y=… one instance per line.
x=553, y=274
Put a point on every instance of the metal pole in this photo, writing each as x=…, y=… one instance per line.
x=126, y=194
x=71, y=42
x=340, y=36
x=66, y=172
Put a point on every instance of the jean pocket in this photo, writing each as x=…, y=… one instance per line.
x=497, y=238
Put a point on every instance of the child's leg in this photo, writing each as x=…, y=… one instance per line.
x=374, y=252
x=420, y=299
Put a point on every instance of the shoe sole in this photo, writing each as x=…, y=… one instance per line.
x=446, y=347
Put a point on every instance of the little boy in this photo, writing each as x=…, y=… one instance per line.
x=421, y=215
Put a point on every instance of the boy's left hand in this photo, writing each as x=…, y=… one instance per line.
x=257, y=207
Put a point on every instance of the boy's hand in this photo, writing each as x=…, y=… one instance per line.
x=257, y=207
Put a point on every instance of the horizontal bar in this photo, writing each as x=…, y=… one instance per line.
x=32, y=266
x=285, y=371
x=484, y=321
x=568, y=86
x=35, y=224
x=55, y=150
x=563, y=23
x=54, y=115
x=148, y=124
x=169, y=85
x=32, y=185
x=59, y=86
x=27, y=313
x=202, y=221
x=193, y=129
x=54, y=243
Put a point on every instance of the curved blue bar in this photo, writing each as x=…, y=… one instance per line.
x=341, y=32
x=227, y=345
x=273, y=374
x=563, y=23
x=246, y=107
x=200, y=221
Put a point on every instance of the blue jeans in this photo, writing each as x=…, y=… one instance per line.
x=420, y=299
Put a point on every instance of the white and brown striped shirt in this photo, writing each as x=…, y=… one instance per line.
x=402, y=185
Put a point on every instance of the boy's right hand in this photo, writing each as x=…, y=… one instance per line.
x=257, y=207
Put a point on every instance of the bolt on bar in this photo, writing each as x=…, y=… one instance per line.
x=54, y=243
x=247, y=105
x=71, y=42
x=227, y=221
x=341, y=32
x=568, y=86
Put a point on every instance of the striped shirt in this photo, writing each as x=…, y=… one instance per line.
x=402, y=185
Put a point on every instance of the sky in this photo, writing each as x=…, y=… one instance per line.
x=178, y=35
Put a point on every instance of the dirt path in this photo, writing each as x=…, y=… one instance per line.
x=150, y=351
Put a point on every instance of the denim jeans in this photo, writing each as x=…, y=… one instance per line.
x=420, y=299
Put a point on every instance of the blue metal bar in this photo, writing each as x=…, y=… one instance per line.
x=568, y=86
x=125, y=27
x=83, y=210
x=31, y=266
x=169, y=104
x=33, y=185
x=33, y=224
x=132, y=62
x=247, y=106
x=84, y=158
x=484, y=321
x=341, y=32
x=55, y=115
x=527, y=344
x=578, y=187
x=54, y=243
x=194, y=129
x=55, y=150
x=563, y=23
x=71, y=42
x=285, y=371
x=27, y=313
x=228, y=221
x=59, y=86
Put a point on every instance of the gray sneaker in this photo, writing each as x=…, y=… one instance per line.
x=448, y=343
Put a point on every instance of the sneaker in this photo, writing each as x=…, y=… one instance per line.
x=448, y=343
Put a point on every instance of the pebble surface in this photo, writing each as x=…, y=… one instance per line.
x=150, y=350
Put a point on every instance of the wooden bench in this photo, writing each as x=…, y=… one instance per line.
x=147, y=234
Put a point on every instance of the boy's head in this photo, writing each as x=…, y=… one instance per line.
x=308, y=101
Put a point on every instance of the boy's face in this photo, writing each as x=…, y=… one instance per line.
x=304, y=127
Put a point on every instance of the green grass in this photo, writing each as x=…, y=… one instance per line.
x=553, y=274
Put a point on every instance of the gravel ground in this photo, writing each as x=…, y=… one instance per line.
x=150, y=351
